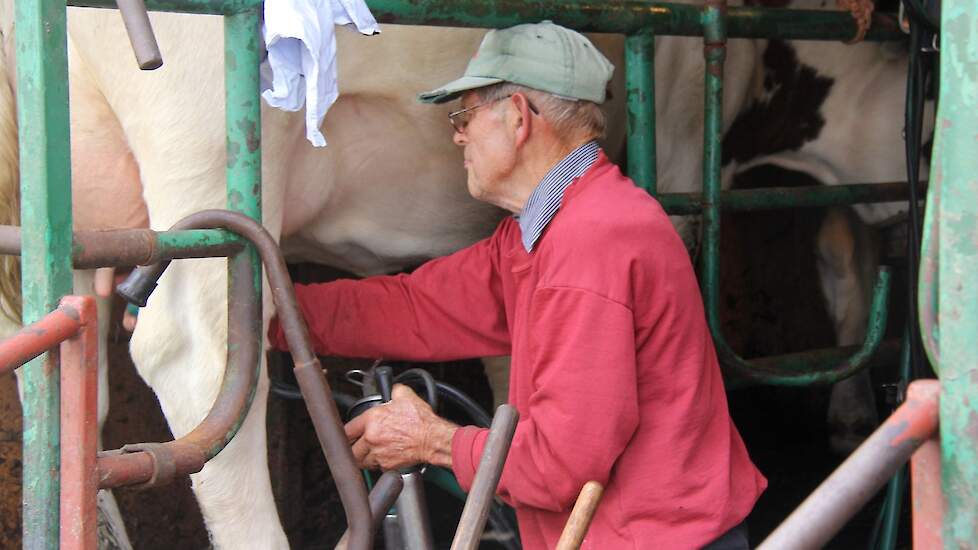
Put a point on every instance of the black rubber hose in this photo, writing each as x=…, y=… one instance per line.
x=476, y=413
x=913, y=128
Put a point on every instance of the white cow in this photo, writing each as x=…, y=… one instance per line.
x=388, y=192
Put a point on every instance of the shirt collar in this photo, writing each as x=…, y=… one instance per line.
x=546, y=198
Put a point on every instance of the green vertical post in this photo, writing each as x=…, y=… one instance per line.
x=956, y=175
x=242, y=58
x=243, y=113
x=715, y=52
x=640, y=94
x=42, y=116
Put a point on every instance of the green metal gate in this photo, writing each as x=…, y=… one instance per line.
x=952, y=223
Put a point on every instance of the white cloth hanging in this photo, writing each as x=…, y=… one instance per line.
x=299, y=36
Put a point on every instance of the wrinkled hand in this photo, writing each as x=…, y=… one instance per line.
x=401, y=433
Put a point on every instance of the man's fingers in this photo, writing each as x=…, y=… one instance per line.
x=354, y=429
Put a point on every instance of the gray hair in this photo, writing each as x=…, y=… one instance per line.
x=569, y=117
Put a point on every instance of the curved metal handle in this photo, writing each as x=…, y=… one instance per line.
x=136, y=19
x=309, y=373
x=780, y=371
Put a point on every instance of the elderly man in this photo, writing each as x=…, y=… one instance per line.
x=591, y=291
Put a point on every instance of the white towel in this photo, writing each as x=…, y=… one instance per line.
x=302, y=54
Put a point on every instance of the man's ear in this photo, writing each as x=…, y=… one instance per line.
x=523, y=120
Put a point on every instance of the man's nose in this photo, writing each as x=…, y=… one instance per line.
x=459, y=138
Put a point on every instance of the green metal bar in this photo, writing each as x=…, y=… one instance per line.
x=625, y=17
x=640, y=95
x=630, y=17
x=42, y=115
x=955, y=172
x=774, y=198
x=174, y=243
x=243, y=113
x=212, y=7
x=242, y=57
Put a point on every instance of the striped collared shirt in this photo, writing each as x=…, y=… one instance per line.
x=546, y=198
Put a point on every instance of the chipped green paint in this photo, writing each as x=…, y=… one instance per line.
x=42, y=116
x=243, y=121
x=640, y=91
x=956, y=180
x=628, y=17
x=213, y=7
x=174, y=243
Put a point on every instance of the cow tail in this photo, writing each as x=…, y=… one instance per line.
x=10, y=299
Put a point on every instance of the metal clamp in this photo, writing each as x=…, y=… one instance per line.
x=164, y=464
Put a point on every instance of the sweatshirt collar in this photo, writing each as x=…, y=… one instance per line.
x=546, y=198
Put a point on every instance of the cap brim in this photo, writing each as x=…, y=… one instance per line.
x=456, y=88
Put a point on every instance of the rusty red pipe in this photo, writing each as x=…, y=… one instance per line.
x=36, y=338
x=79, y=428
x=866, y=470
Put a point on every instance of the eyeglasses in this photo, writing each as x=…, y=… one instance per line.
x=461, y=118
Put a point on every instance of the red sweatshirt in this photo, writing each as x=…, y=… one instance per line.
x=613, y=372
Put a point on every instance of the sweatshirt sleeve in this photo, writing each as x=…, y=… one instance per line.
x=449, y=308
x=584, y=408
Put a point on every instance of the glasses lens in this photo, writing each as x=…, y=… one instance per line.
x=459, y=119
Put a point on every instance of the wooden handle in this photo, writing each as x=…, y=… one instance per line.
x=580, y=516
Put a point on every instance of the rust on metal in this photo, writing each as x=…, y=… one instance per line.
x=918, y=417
x=79, y=428
x=189, y=453
x=36, y=338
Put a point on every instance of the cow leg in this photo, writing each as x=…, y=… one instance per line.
x=843, y=254
x=179, y=347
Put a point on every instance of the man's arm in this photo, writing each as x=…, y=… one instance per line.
x=449, y=308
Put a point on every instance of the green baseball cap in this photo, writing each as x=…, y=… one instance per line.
x=542, y=56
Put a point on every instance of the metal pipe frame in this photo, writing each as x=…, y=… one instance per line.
x=816, y=196
x=640, y=100
x=625, y=17
x=308, y=370
x=39, y=337
x=158, y=463
x=866, y=470
x=714, y=51
x=42, y=117
x=79, y=428
x=131, y=247
x=953, y=171
x=73, y=325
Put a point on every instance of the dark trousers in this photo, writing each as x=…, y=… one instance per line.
x=734, y=539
